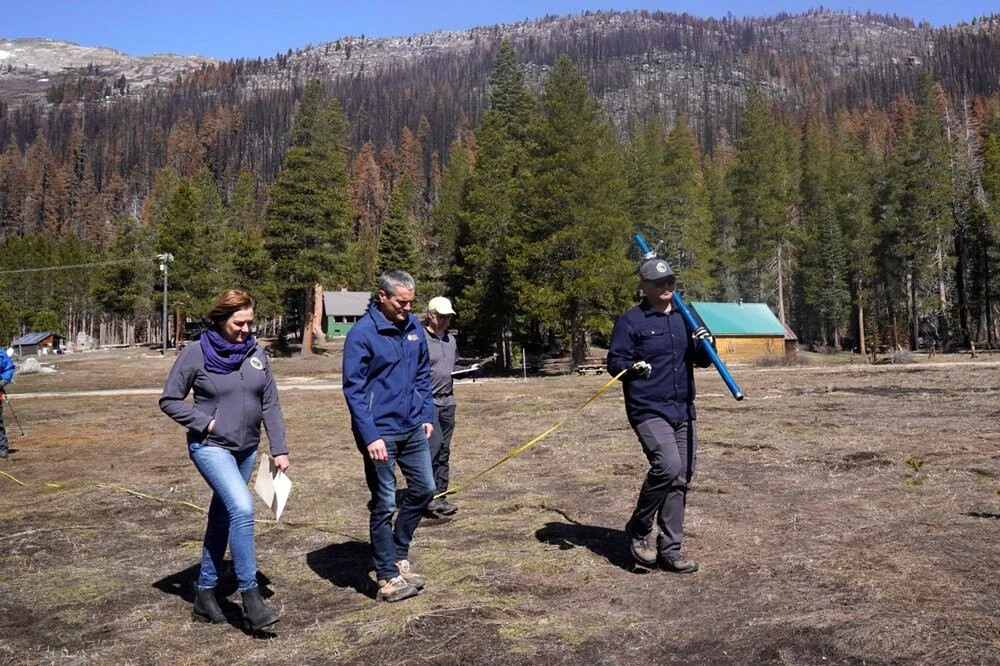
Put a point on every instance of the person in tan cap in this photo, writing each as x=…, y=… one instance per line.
x=444, y=353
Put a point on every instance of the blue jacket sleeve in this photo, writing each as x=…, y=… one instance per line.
x=6, y=367
x=424, y=382
x=621, y=354
x=274, y=420
x=357, y=357
x=179, y=383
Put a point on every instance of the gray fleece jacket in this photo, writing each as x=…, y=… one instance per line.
x=238, y=401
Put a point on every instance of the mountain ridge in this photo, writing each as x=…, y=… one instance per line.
x=30, y=66
x=638, y=64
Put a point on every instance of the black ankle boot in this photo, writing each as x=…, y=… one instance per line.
x=206, y=607
x=256, y=615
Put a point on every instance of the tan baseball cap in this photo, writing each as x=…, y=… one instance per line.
x=440, y=305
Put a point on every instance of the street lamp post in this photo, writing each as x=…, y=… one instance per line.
x=165, y=259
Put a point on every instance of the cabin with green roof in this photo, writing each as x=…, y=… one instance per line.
x=746, y=332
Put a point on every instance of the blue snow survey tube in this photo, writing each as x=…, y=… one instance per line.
x=692, y=324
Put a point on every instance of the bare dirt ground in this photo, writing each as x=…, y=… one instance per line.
x=841, y=515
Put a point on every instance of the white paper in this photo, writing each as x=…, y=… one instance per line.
x=272, y=486
x=465, y=371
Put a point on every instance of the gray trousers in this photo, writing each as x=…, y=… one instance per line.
x=671, y=451
x=440, y=443
x=3, y=431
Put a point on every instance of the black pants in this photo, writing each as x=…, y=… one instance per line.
x=3, y=432
x=671, y=451
x=440, y=441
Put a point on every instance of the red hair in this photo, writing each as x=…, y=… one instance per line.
x=229, y=302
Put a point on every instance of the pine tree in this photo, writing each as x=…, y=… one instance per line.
x=686, y=213
x=449, y=219
x=308, y=228
x=487, y=298
x=985, y=225
x=921, y=205
x=822, y=254
x=571, y=274
x=763, y=190
x=193, y=231
x=126, y=289
x=851, y=191
x=644, y=175
x=723, y=269
x=252, y=268
x=243, y=213
x=395, y=245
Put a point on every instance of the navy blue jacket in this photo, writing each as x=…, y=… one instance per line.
x=6, y=367
x=663, y=341
x=238, y=401
x=387, y=378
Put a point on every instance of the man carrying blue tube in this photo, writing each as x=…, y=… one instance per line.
x=653, y=343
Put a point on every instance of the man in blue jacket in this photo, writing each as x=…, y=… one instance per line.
x=653, y=343
x=387, y=386
x=6, y=374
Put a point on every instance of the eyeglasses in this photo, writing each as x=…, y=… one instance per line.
x=667, y=281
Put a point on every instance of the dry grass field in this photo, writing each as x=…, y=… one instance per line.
x=843, y=514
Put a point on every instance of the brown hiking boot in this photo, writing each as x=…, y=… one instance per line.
x=411, y=577
x=643, y=549
x=677, y=563
x=395, y=589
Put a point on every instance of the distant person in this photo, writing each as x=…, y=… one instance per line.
x=443, y=354
x=6, y=375
x=234, y=392
x=387, y=385
x=653, y=343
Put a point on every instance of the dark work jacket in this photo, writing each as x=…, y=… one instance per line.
x=663, y=341
x=238, y=401
x=387, y=380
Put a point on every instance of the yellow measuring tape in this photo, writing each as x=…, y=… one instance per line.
x=112, y=487
x=524, y=447
x=513, y=454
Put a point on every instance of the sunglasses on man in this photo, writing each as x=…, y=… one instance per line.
x=662, y=282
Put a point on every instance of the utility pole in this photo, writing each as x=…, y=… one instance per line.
x=165, y=259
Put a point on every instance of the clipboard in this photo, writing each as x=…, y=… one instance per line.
x=272, y=486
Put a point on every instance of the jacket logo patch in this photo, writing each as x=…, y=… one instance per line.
x=255, y=362
x=412, y=337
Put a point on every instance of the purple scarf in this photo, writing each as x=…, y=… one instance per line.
x=222, y=356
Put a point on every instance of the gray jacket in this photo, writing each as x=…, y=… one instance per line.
x=444, y=354
x=238, y=402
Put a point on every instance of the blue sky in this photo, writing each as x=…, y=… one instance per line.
x=255, y=28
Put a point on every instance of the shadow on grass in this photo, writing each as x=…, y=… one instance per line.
x=183, y=584
x=345, y=565
x=603, y=541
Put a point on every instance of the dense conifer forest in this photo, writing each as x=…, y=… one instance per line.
x=844, y=169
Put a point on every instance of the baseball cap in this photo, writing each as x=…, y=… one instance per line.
x=440, y=305
x=654, y=269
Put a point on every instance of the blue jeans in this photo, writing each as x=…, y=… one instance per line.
x=230, y=515
x=391, y=543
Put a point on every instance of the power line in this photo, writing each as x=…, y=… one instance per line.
x=59, y=268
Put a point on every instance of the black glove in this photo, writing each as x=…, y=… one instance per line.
x=4, y=382
x=701, y=333
x=642, y=369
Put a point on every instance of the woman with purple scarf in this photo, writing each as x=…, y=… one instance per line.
x=234, y=392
